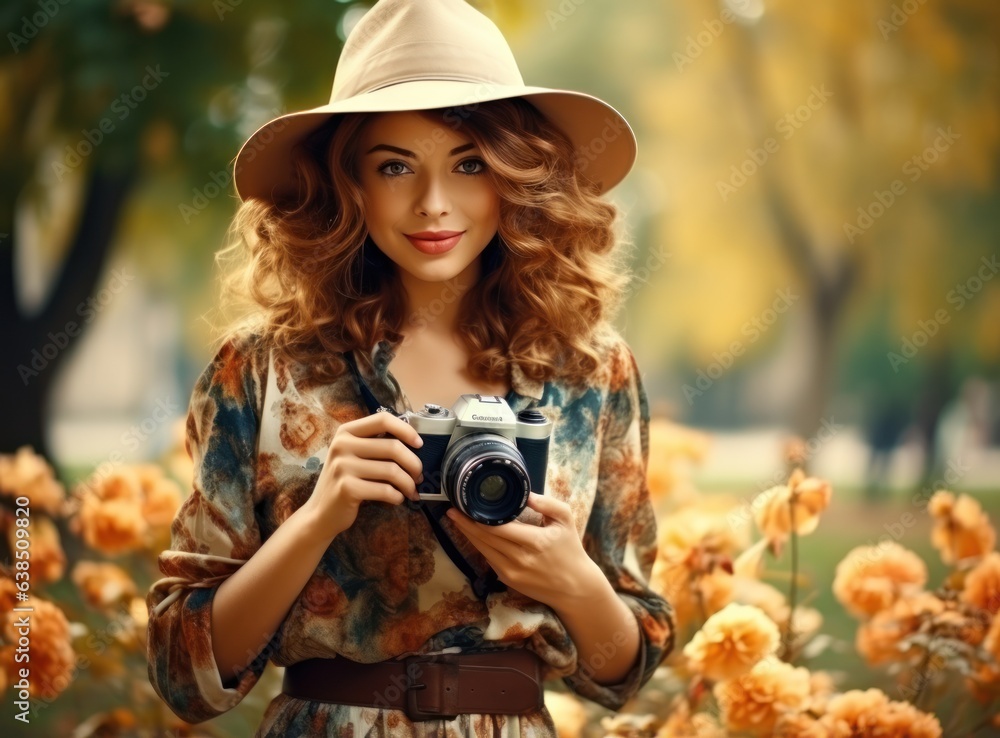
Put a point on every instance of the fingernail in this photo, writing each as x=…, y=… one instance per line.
x=419, y=442
x=420, y=478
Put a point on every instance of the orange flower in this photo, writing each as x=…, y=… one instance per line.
x=27, y=474
x=732, y=641
x=961, y=529
x=568, y=714
x=48, y=560
x=805, y=497
x=754, y=701
x=981, y=588
x=8, y=591
x=871, y=578
x=682, y=724
x=670, y=445
x=879, y=640
x=109, y=518
x=102, y=584
x=693, y=567
x=112, y=527
x=53, y=660
x=799, y=725
x=871, y=713
x=161, y=496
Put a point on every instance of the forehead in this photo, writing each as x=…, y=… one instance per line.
x=410, y=127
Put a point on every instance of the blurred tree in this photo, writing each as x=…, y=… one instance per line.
x=837, y=150
x=100, y=96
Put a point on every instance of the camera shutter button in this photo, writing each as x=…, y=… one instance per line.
x=432, y=409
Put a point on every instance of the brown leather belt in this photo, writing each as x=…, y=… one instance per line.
x=433, y=687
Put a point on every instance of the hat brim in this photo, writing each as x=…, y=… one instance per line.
x=604, y=143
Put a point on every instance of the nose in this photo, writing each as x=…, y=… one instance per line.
x=433, y=198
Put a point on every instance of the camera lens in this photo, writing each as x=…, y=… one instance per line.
x=485, y=478
x=493, y=488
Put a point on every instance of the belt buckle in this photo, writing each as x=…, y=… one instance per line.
x=418, y=669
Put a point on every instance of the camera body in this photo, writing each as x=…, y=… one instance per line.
x=481, y=457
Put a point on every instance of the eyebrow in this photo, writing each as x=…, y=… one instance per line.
x=406, y=152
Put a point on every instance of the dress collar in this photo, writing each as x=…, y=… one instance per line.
x=524, y=391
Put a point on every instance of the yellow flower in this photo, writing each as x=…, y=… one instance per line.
x=754, y=702
x=804, y=497
x=871, y=578
x=732, y=641
x=878, y=640
x=27, y=474
x=961, y=529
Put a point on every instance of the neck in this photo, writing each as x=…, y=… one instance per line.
x=433, y=308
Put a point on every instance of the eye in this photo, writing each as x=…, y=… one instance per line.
x=472, y=166
x=393, y=168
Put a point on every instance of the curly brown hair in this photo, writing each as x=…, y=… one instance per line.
x=309, y=278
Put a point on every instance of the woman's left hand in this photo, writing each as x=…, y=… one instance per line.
x=546, y=562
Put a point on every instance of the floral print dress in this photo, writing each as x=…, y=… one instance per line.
x=257, y=432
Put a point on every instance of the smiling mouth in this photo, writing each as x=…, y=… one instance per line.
x=435, y=242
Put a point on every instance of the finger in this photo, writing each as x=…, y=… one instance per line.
x=378, y=492
x=375, y=424
x=388, y=449
x=550, y=507
x=496, y=558
x=515, y=532
x=483, y=535
x=382, y=471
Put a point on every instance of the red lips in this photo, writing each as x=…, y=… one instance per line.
x=435, y=242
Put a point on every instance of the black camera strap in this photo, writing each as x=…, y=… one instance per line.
x=481, y=585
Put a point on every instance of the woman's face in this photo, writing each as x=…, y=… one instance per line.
x=423, y=180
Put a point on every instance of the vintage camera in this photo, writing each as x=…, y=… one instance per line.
x=481, y=457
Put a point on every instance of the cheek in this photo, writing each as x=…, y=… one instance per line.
x=486, y=204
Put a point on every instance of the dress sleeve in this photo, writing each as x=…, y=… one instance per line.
x=621, y=532
x=213, y=533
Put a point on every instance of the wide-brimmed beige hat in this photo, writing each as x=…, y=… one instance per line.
x=426, y=54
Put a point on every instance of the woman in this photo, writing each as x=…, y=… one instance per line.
x=437, y=230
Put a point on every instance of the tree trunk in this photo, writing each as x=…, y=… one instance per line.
x=36, y=346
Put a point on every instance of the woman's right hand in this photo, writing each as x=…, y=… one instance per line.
x=368, y=459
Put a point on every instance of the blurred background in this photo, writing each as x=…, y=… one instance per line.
x=815, y=213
